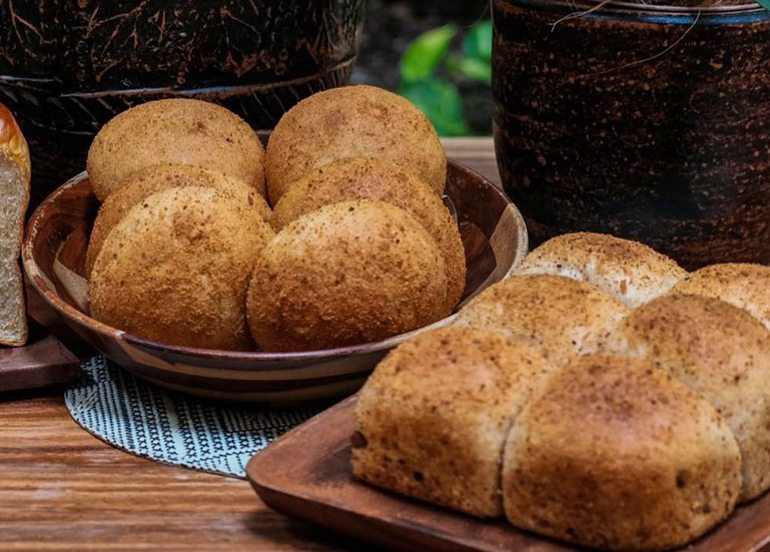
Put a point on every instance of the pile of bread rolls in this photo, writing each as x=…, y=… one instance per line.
x=601, y=395
x=336, y=235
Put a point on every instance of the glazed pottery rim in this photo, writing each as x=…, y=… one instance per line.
x=37, y=279
x=661, y=10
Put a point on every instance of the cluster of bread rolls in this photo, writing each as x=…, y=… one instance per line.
x=336, y=235
x=601, y=395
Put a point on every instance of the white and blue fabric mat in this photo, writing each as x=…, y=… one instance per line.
x=144, y=420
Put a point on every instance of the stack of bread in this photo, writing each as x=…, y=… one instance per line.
x=336, y=235
x=601, y=395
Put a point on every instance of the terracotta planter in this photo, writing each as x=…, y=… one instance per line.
x=66, y=67
x=651, y=122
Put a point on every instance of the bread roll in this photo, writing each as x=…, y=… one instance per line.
x=14, y=190
x=558, y=316
x=746, y=286
x=156, y=178
x=617, y=455
x=181, y=131
x=382, y=180
x=433, y=417
x=630, y=271
x=346, y=274
x=175, y=269
x=352, y=121
x=722, y=353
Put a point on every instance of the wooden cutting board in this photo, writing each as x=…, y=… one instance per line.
x=42, y=362
x=306, y=474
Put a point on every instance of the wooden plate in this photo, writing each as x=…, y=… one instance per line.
x=306, y=474
x=42, y=362
x=495, y=240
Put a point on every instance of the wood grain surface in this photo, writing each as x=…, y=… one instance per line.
x=62, y=489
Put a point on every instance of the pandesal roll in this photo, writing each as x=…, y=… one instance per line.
x=347, y=274
x=630, y=271
x=432, y=419
x=746, y=286
x=145, y=182
x=722, y=353
x=352, y=121
x=176, y=267
x=558, y=316
x=617, y=455
x=381, y=180
x=177, y=130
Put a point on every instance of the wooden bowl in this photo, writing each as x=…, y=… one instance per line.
x=495, y=240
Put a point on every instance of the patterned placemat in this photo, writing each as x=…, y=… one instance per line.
x=144, y=420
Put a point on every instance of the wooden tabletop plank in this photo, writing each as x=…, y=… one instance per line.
x=63, y=489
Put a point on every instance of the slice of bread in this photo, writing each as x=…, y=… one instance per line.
x=14, y=199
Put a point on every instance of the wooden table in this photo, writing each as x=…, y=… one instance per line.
x=62, y=489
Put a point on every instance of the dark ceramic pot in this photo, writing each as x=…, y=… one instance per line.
x=650, y=122
x=66, y=66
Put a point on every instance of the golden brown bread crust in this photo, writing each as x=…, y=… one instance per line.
x=722, y=353
x=381, y=180
x=746, y=286
x=14, y=182
x=175, y=269
x=185, y=131
x=630, y=271
x=346, y=274
x=352, y=121
x=156, y=178
x=617, y=455
x=558, y=316
x=433, y=417
x=13, y=143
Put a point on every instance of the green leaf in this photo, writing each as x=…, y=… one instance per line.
x=474, y=69
x=478, y=42
x=424, y=55
x=441, y=103
x=764, y=3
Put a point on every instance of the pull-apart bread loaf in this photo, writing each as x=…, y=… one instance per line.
x=558, y=316
x=352, y=121
x=720, y=352
x=630, y=271
x=176, y=268
x=747, y=286
x=181, y=131
x=14, y=199
x=381, y=180
x=433, y=418
x=618, y=455
x=145, y=182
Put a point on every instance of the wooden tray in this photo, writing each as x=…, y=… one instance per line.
x=306, y=474
x=42, y=362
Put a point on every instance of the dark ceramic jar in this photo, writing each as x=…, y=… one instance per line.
x=67, y=66
x=651, y=122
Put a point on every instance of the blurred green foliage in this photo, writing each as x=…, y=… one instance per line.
x=430, y=72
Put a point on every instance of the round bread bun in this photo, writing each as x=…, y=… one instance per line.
x=184, y=131
x=617, y=455
x=175, y=269
x=558, y=316
x=742, y=285
x=630, y=271
x=347, y=274
x=352, y=121
x=156, y=178
x=722, y=353
x=434, y=416
x=382, y=180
